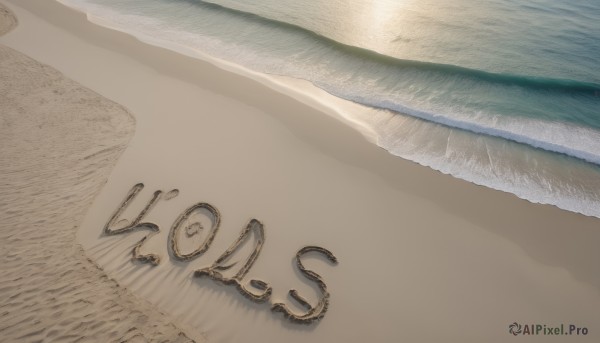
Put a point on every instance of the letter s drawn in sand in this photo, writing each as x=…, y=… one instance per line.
x=313, y=313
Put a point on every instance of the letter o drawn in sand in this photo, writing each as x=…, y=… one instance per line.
x=191, y=229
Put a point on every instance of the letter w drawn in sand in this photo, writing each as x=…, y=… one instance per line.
x=136, y=224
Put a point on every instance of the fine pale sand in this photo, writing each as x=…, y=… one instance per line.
x=59, y=142
x=422, y=257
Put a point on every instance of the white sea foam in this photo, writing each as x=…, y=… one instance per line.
x=569, y=139
x=531, y=174
x=555, y=184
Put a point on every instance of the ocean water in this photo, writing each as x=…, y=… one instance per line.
x=501, y=93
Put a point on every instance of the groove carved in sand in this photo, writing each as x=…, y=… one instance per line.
x=254, y=228
x=136, y=224
x=179, y=224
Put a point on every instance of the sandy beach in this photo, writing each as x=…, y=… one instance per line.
x=423, y=257
x=59, y=141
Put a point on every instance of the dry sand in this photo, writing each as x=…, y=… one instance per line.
x=59, y=142
x=422, y=256
x=8, y=21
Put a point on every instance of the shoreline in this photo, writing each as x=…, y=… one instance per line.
x=383, y=181
x=499, y=157
x=494, y=157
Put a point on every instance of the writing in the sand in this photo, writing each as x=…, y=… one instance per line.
x=255, y=290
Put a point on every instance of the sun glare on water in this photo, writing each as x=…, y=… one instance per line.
x=377, y=19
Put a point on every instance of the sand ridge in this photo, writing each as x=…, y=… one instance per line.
x=8, y=20
x=59, y=142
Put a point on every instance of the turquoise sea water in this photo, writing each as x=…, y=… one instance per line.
x=502, y=93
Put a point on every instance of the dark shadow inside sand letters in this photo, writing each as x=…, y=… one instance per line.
x=225, y=270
